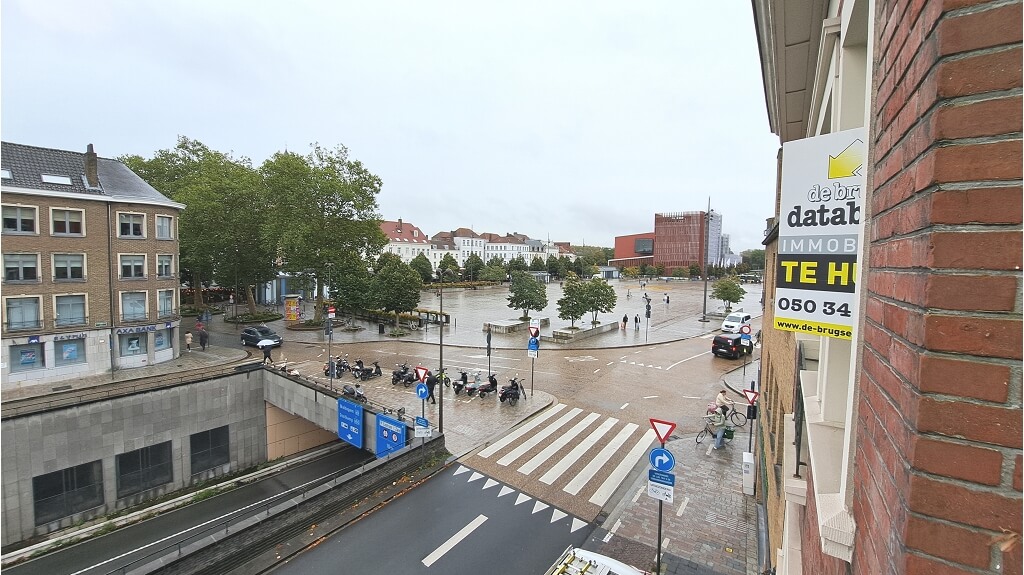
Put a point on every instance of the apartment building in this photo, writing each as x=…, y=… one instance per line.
x=405, y=240
x=90, y=256
x=891, y=433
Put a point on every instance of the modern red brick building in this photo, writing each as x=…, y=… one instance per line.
x=678, y=240
x=898, y=450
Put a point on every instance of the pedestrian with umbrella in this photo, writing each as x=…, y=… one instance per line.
x=266, y=345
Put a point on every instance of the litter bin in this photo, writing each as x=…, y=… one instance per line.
x=380, y=328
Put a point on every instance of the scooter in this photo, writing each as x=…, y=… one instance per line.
x=399, y=374
x=512, y=391
x=490, y=387
x=471, y=388
x=353, y=392
x=367, y=372
x=342, y=363
x=358, y=368
x=460, y=383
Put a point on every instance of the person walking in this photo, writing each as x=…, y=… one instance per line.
x=636, y=323
x=266, y=355
x=625, y=321
x=431, y=384
x=188, y=341
x=204, y=338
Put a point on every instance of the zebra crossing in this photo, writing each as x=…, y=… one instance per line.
x=547, y=457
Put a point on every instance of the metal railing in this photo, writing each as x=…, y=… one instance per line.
x=135, y=317
x=74, y=321
x=13, y=325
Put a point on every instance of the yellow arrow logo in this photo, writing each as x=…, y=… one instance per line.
x=848, y=163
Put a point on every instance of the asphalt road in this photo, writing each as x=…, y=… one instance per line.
x=97, y=556
x=456, y=522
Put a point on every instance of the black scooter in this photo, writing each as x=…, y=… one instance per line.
x=459, y=384
x=512, y=391
x=399, y=374
x=368, y=372
x=353, y=392
x=490, y=387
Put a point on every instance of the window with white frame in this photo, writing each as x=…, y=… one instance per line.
x=131, y=225
x=133, y=266
x=19, y=219
x=165, y=302
x=165, y=266
x=23, y=313
x=67, y=267
x=133, y=305
x=21, y=267
x=70, y=310
x=164, y=228
x=67, y=222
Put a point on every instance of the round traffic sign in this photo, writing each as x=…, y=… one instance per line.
x=745, y=329
x=662, y=459
x=421, y=390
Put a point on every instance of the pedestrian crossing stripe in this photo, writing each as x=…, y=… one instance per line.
x=566, y=462
x=538, y=437
x=581, y=479
x=563, y=440
x=501, y=443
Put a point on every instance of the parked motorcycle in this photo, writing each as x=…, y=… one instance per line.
x=512, y=391
x=353, y=392
x=358, y=368
x=343, y=366
x=399, y=374
x=369, y=372
x=490, y=387
x=459, y=384
x=473, y=386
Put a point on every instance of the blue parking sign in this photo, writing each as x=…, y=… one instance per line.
x=390, y=435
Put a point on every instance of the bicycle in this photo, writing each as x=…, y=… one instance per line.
x=737, y=418
x=708, y=430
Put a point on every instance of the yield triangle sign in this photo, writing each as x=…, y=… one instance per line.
x=751, y=395
x=534, y=331
x=421, y=373
x=662, y=429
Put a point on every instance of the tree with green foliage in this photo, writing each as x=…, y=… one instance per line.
x=496, y=262
x=631, y=272
x=537, y=264
x=753, y=258
x=221, y=233
x=526, y=294
x=323, y=206
x=384, y=260
x=448, y=268
x=421, y=264
x=695, y=270
x=350, y=284
x=679, y=273
x=555, y=267
x=474, y=265
x=659, y=270
x=396, y=288
x=494, y=274
x=572, y=305
x=517, y=264
x=593, y=256
x=598, y=297
x=728, y=290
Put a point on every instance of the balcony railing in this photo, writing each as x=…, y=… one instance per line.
x=71, y=321
x=167, y=313
x=135, y=317
x=13, y=325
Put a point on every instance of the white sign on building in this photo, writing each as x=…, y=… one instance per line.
x=821, y=229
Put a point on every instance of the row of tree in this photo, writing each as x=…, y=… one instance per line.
x=496, y=269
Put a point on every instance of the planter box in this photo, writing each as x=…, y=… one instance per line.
x=566, y=335
x=513, y=325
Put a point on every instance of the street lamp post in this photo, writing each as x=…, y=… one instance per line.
x=440, y=404
x=329, y=328
x=704, y=263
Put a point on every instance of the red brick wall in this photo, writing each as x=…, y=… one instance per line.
x=937, y=462
x=625, y=246
x=812, y=559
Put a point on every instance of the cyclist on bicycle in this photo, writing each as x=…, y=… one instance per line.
x=716, y=423
x=723, y=402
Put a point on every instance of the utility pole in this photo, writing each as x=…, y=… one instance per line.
x=704, y=263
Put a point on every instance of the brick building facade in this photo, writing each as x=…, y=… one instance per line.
x=923, y=470
x=90, y=267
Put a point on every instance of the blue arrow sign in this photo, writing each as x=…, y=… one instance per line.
x=350, y=422
x=533, y=344
x=421, y=390
x=661, y=477
x=662, y=459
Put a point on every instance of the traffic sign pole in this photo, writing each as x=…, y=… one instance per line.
x=661, y=506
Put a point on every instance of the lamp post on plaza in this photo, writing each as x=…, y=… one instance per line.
x=704, y=264
x=440, y=360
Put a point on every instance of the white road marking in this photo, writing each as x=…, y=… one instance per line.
x=689, y=397
x=610, y=484
x=687, y=359
x=637, y=494
x=573, y=456
x=505, y=490
x=501, y=443
x=583, y=477
x=557, y=514
x=490, y=483
x=707, y=336
x=664, y=544
x=650, y=397
x=538, y=437
x=454, y=540
x=624, y=405
x=562, y=440
x=474, y=477
x=460, y=470
x=539, y=506
x=522, y=497
x=682, y=507
x=710, y=447
x=577, y=525
x=610, y=362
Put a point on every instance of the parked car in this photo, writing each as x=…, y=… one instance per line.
x=734, y=321
x=254, y=335
x=728, y=344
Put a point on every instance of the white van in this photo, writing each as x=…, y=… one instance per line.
x=734, y=321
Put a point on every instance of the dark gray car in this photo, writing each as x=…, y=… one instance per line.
x=254, y=335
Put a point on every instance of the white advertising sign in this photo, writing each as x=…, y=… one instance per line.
x=820, y=233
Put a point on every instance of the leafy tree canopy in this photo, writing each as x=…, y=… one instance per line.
x=753, y=258
x=572, y=305
x=728, y=290
x=537, y=264
x=494, y=274
x=517, y=264
x=421, y=264
x=598, y=297
x=527, y=294
x=474, y=265
x=449, y=267
x=396, y=288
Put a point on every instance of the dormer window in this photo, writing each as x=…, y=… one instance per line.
x=5, y=174
x=54, y=179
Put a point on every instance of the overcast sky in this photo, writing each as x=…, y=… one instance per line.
x=572, y=120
